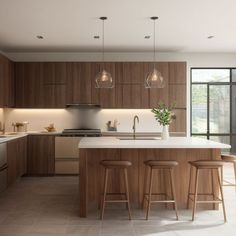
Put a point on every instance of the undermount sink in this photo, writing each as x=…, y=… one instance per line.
x=139, y=138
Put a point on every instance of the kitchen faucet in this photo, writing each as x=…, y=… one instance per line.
x=134, y=126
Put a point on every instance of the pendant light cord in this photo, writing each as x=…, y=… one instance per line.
x=103, y=43
x=154, y=43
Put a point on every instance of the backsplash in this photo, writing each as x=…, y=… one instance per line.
x=82, y=118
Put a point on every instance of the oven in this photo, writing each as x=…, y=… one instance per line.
x=67, y=152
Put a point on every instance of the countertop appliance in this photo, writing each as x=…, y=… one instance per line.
x=3, y=167
x=67, y=152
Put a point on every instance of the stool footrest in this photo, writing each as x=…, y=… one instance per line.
x=116, y=201
x=207, y=201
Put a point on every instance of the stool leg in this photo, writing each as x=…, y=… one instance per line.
x=212, y=187
x=235, y=175
x=222, y=176
x=189, y=186
x=104, y=194
x=150, y=194
x=127, y=192
x=222, y=195
x=144, y=185
x=195, y=194
x=173, y=192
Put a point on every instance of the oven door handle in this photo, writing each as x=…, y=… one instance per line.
x=67, y=159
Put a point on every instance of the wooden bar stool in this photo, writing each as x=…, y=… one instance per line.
x=160, y=166
x=230, y=159
x=211, y=166
x=113, y=164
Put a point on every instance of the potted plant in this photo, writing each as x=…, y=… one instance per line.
x=164, y=115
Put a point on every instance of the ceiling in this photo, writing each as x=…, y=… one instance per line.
x=69, y=25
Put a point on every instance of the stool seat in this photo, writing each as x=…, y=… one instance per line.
x=228, y=157
x=115, y=164
x=161, y=164
x=211, y=164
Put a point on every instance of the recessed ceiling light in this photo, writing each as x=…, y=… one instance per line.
x=39, y=37
x=96, y=37
x=210, y=36
x=147, y=36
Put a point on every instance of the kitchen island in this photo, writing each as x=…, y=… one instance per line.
x=180, y=149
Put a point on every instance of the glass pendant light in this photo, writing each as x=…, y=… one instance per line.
x=103, y=78
x=154, y=79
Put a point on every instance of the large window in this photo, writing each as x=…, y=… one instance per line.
x=213, y=104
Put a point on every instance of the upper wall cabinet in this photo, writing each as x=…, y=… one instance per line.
x=29, y=90
x=54, y=84
x=41, y=85
x=7, y=86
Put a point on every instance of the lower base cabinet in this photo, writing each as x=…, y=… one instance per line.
x=16, y=159
x=41, y=155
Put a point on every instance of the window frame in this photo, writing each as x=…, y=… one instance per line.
x=231, y=84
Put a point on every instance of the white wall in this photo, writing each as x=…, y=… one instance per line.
x=124, y=116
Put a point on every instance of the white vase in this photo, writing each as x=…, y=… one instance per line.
x=165, y=132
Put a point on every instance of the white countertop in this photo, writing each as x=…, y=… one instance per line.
x=173, y=142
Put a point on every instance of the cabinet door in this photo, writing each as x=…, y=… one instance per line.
x=29, y=90
x=177, y=72
x=132, y=72
x=7, y=93
x=79, y=82
x=41, y=155
x=179, y=123
x=105, y=97
x=12, y=161
x=21, y=156
x=54, y=72
x=157, y=95
x=131, y=96
x=54, y=96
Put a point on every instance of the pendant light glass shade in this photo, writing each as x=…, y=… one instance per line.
x=154, y=79
x=103, y=79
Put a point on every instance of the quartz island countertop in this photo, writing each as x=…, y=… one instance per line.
x=172, y=142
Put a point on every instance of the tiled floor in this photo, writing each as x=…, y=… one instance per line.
x=49, y=206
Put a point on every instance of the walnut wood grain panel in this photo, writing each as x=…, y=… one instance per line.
x=7, y=85
x=41, y=155
x=179, y=123
x=29, y=88
x=79, y=82
x=54, y=72
x=157, y=95
x=103, y=96
x=131, y=96
x=177, y=95
x=16, y=159
x=177, y=72
x=132, y=72
x=91, y=180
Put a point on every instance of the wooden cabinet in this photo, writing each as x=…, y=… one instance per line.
x=41, y=155
x=105, y=97
x=29, y=89
x=157, y=95
x=54, y=84
x=79, y=82
x=177, y=72
x=7, y=85
x=16, y=159
x=40, y=85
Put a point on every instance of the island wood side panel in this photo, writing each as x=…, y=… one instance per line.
x=92, y=174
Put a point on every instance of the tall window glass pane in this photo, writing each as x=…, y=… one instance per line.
x=219, y=111
x=210, y=75
x=233, y=111
x=199, y=108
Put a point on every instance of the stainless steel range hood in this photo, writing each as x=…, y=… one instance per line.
x=82, y=105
